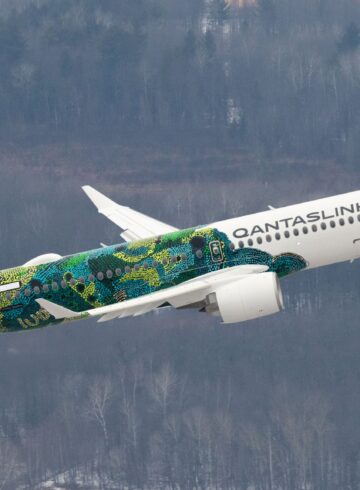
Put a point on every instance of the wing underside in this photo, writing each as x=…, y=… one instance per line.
x=192, y=292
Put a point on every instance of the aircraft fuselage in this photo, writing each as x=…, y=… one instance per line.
x=285, y=240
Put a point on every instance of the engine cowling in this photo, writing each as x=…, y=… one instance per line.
x=252, y=297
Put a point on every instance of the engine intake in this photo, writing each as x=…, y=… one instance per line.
x=252, y=297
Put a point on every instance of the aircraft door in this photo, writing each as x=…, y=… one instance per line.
x=216, y=251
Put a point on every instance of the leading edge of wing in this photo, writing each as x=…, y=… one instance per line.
x=177, y=296
x=136, y=225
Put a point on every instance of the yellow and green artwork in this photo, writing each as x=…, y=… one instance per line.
x=117, y=273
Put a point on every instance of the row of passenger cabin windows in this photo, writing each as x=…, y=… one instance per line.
x=79, y=283
x=296, y=232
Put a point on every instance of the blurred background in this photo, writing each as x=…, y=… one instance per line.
x=190, y=111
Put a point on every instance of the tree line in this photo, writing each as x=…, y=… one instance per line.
x=267, y=407
x=273, y=76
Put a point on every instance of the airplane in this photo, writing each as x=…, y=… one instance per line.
x=230, y=269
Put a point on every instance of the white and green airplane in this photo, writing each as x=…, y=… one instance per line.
x=230, y=269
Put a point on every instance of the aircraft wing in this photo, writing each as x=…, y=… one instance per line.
x=135, y=225
x=188, y=293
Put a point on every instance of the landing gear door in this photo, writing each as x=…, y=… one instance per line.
x=216, y=251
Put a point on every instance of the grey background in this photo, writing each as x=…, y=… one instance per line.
x=191, y=113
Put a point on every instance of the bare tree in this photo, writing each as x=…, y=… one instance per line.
x=100, y=394
x=163, y=387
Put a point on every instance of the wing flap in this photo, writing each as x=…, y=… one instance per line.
x=131, y=311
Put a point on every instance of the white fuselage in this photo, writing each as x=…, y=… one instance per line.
x=324, y=231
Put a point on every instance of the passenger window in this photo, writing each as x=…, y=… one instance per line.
x=259, y=240
x=199, y=254
x=342, y=221
x=277, y=236
x=82, y=280
x=241, y=244
x=183, y=257
x=127, y=269
x=136, y=267
x=332, y=224
x=286, y=234
x=118, y=272
x=91, y=277
x=72, y=282
x=27, y=292
x=173, y=260
x=232, y=246
x=296, y=232
x=323, y=226
x=63, y=284
x=305, y=230
x=55, y=286
x=146, y=265
x=37, y=290
x=268, y=238
x=109, y=274
x=46, y=288
x=164, y=261
x=358, y=217
x=314, y=228
x=250, y=242
x=351, y=220
x=100, y=276
x=155, y=263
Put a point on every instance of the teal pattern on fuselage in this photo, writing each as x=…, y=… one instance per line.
x=120, y=272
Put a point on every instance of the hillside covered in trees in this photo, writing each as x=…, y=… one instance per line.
x=273, y=76
x=191, y=111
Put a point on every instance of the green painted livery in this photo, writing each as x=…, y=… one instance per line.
x=118, y=273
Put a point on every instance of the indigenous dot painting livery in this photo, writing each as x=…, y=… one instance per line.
x=229, y=269
x=118, y=273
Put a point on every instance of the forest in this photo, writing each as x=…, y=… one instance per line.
x=279, y=77
x=190, y=111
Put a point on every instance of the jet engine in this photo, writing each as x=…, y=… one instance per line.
x=248, y=298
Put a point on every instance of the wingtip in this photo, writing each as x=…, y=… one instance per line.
x=87, y=188
x=100, y=200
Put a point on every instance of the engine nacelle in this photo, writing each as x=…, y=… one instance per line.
x=248, y=298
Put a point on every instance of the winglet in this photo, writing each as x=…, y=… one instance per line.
x=57, y=311
x=135, y=225
x=101, y=202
